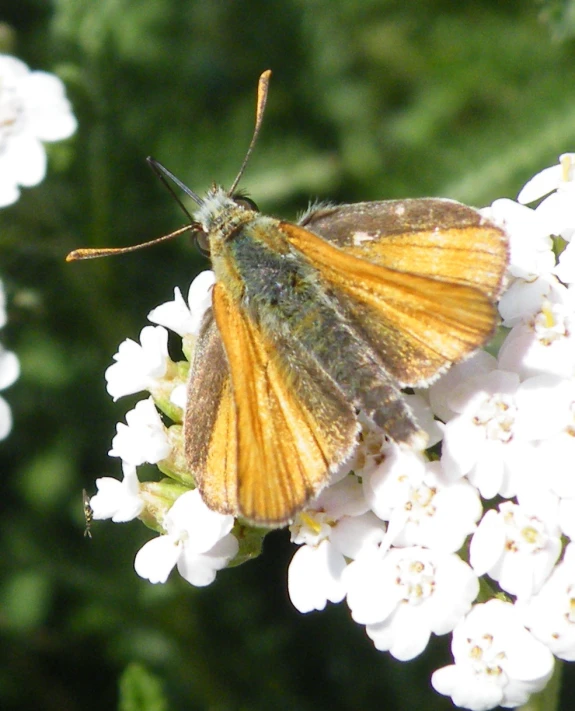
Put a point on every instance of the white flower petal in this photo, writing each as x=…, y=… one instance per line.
x=549, y=614
x=466, y=689
x=354, y=535
x=9, y=368
x=405, y=634
x=371, y=595
x=440, y=392
x=204, y=527
x=174, y=315
x=179, y=396
x=314, y=577
x=184, y=318
x=565, y=270
x=118, y=500
x=5, y=419
x=488, y=543
x=344, y=498
x=156, y=559
x=531, y=248
x=144, y=438
x=139, y=365
x=33, y=109
x=9, y=192
x=50, y=113
x=541, y=184
x=200, y=293
x=26, y=159
x=200, y=569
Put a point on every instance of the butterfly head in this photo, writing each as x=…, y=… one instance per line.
x=219, y=214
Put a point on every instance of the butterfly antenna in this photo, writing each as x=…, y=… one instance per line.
x=89, y=253
x=263, y=85
x=162, y=172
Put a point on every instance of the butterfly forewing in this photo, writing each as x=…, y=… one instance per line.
x=210, y=427
x=427, y=236
x=293, y=425
x=423, y=319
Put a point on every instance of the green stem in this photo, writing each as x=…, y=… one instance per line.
x=548, y=698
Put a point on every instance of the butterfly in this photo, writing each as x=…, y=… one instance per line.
x=312, y=323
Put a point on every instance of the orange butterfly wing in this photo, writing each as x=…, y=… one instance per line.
x=422, y=322
x=431, y=237
x=278, y=426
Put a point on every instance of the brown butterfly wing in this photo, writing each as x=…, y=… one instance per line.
x=419, y=314
x=210, y=426
x=278, y=424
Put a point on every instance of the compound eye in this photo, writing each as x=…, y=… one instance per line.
x=246, y=202
x=203, y=242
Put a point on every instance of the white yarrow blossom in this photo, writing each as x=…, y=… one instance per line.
x=550, y=614
x=406, y=594
x=530, y=245
x=560, y=176
x=33, y=110
x=497, y=662
x=480, y=363
x=139, y=366
x=545, y=341
x=531, y=260
x=484, y=441
x=185, y=319
x=422, y=505
x=118, y=500
x=197, y=540
x=522, y=300
x=144, y=438
x=517, y=546
x=558, y=209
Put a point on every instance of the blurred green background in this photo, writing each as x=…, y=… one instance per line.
x=368, y=100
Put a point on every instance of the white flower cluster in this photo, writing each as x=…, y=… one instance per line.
x=9, y=372
x=405, y=540
x=33, y=111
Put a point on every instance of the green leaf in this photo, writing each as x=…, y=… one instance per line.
x=140, y=690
